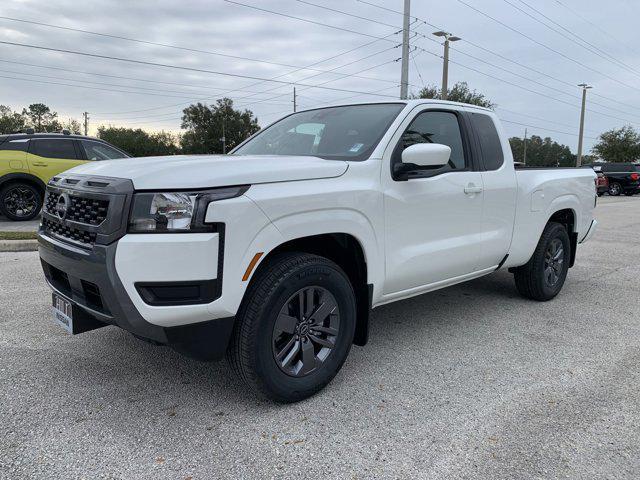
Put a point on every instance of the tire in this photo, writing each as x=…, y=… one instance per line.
x=20, y=201
x=534, y=280
x=269, y=320
x=629, y=193
x=615, y=189
x=600, y=194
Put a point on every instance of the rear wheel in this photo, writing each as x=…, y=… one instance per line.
x=615, y=189
x=544, y=275
x=20, y=201
x=629, y=193
x=295, y=327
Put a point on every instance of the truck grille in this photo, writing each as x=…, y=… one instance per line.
x=74, y=234
x=86, y=210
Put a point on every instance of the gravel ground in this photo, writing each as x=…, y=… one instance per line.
x=467, y=382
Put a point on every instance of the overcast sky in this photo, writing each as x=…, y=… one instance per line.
x=152, y=97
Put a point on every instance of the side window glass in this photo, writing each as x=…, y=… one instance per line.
x=53, y=148
x=99, y=151
x=492, y=154
x=436, y=127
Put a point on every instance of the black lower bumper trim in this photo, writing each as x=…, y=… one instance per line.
x=88, y=279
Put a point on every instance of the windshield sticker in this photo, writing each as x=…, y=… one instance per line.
x=356, y=148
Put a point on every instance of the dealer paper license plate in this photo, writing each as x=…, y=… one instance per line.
x=63, y=313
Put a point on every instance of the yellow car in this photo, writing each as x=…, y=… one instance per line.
x=29, y=160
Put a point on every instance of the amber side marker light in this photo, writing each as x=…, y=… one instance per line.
x=252, y=264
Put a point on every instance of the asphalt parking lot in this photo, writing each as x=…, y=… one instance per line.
x=467, y=382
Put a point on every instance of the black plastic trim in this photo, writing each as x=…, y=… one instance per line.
x=179, y=293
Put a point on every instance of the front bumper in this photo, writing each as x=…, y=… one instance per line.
x=88, y=279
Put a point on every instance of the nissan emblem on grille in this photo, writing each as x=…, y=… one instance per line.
x=61, y=205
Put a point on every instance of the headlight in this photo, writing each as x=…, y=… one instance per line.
x=176, y=211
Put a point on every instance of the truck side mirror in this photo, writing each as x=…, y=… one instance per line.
x=427, y=155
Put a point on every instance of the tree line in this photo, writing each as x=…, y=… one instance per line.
x=218, y=127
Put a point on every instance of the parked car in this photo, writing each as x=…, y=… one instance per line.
x=29, y=160
x=276, y=253
x=622, y=177
x=602, y=184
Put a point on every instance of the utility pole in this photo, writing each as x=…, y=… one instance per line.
x=585, y=87
x=448, y=37
x=524, y=157
x=86, y=123
x=404, y=74
x=224, y=139
x=295, y=105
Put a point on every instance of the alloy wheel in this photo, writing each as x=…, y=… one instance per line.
x=20, y=201
x=553, y=262
x=305, y=331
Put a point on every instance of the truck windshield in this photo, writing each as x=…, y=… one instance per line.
x=335, y=133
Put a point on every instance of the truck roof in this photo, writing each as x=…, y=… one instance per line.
x=411, y=102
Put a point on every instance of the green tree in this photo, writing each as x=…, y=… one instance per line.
x=42, y=118
x=542, y=152
x=459, y=93
x=139, y=143
x=619, y=145
x=207, y=124
x=10, y=121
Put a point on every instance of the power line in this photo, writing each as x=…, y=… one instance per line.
x=557, y=52
x=590, y=47
x=177, y=67
x=544, y=128
x=178, y=47
x=499, y=55
x=253, y=84
x=314, y=22
x=513, y=112
x=593, y=24
x=349, y=14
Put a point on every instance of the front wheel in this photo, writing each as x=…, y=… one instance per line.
x=294, y=328
x=544, y=274
x=20, y=201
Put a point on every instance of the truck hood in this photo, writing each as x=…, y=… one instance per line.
x=207, y=171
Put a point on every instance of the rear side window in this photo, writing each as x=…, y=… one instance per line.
x=53, y=148
x=20, y=145
x=492, y=154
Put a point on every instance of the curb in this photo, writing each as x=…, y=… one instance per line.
x=18, y=245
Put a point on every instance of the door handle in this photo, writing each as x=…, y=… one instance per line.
x=471, y=189
x=40, y=164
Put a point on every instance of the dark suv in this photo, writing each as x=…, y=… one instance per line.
x=28, y=160
x=623, y=177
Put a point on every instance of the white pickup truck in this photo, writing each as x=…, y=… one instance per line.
x=276, y=253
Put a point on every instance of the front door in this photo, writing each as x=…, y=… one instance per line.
x=433, y=222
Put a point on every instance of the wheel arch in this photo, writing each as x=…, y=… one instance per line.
x=349, y=254
x=23, y=177
x=567, y=217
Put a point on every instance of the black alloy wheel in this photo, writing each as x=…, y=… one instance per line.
x=305, y=331
x=20, y=201
x=553, y=262
x=295, y=326
x=543, y=276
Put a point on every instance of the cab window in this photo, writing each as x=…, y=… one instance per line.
x=53, y=148
x=435, y=127
x=100, y=151
x=490, y=145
